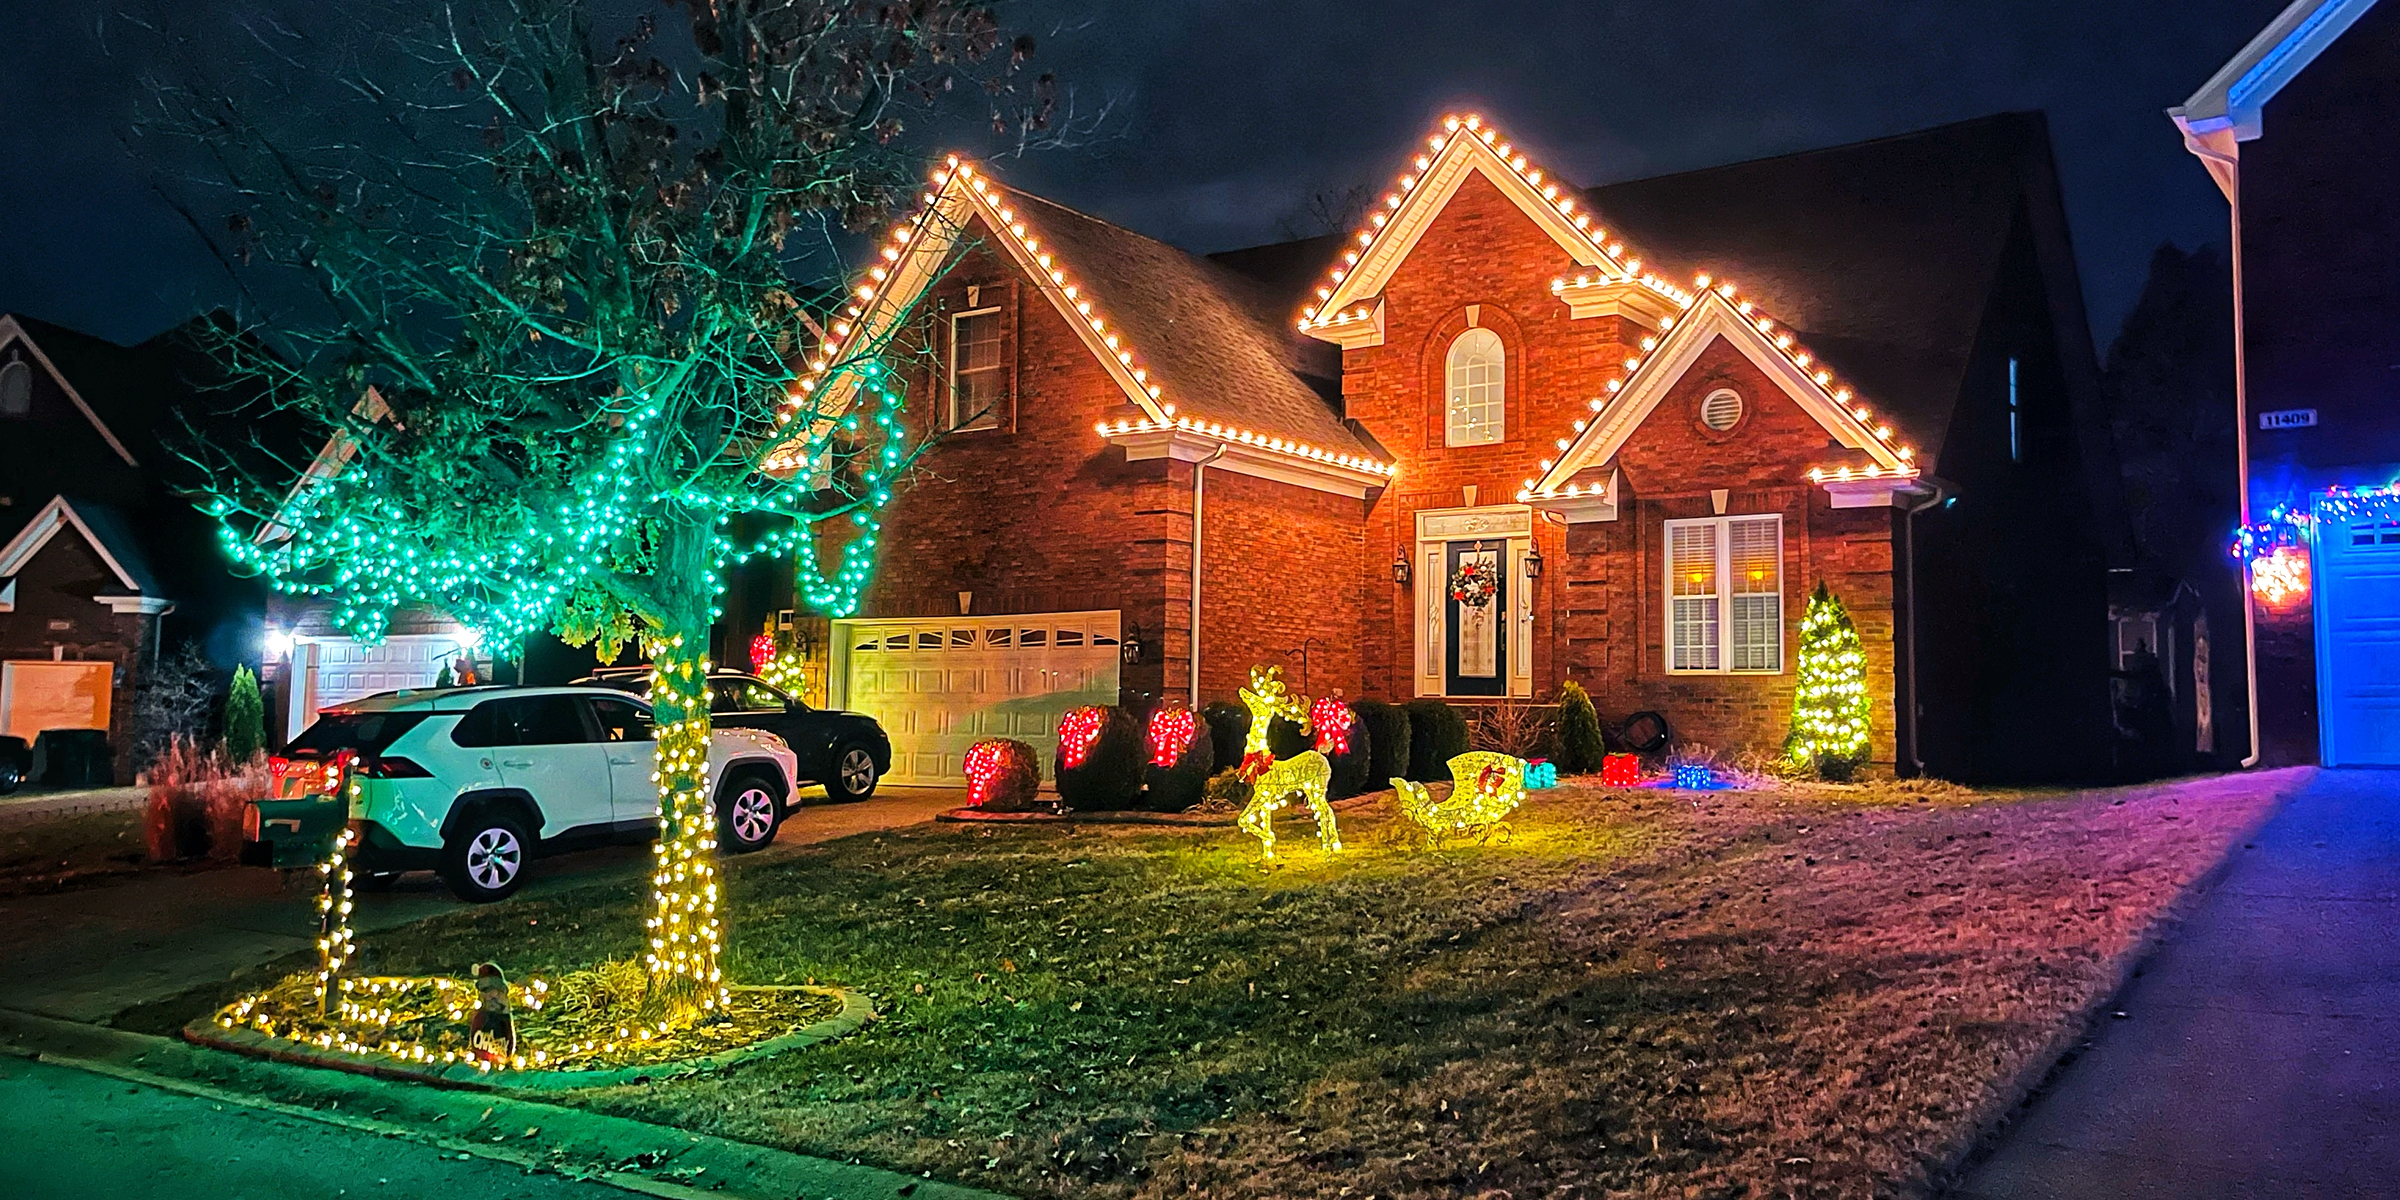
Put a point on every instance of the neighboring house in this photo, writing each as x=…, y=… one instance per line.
x=102, y=565
x=2291, y=130
x=1299, y=453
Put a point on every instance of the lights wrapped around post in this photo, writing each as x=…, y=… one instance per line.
x=1829, y=704
x=684, y=933
x=334, y=945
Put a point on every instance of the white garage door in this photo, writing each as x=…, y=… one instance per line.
x=2357, y=563
x=338, y=670
x=939, y=685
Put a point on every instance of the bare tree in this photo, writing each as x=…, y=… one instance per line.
x=554, y=328
x=1328, y=210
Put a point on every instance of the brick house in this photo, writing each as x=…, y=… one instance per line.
x=1296, y=451
x=102, y=564
x=2289, y=130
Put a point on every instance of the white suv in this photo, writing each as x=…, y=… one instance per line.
x=471, y=782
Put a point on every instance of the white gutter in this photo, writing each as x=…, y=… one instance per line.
x=1199, y=494
x=2218, y=150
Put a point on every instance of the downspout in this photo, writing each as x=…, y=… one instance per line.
x=2225, y=165
x=1199, y=494
x=1908, y=534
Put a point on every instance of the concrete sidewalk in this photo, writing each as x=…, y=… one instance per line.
x=2258, y=1055
x=40, y=804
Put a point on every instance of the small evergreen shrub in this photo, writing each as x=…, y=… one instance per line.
x=1100, y=755
x=1228, y=727
x=1176, y=784
x=1225, y=792
x=245, y=718
x=1581, y=745
x=1387, y=738
x=1436, y=734
x=1003, y=775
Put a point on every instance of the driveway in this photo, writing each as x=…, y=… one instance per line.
x=2258, y=1055
x=88, y=955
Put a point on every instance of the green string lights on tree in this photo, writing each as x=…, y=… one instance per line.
x=1829, y=706
x=553, y=340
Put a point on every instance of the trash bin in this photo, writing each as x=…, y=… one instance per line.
x=74, y=758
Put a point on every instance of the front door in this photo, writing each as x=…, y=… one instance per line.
x=1474, y=611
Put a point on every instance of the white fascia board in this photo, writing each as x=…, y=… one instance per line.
x=56, y=515
x=2234, y=97
x=1182, y=446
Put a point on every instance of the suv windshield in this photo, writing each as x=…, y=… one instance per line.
x=365, y=733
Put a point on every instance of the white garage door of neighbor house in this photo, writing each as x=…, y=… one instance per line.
x=344, y=670
x=940, y=685
x=2358, y=639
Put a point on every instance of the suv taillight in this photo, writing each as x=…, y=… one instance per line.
x=392, y=768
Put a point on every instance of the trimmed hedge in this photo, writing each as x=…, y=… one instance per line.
x=1581, y=745
x=1110, y=775
x=1387, y=738
x=1436, y=734
x=1285, y=740
x=1178, y=786
x=1228, y=727
x=1014, y=775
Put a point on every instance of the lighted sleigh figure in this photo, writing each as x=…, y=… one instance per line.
x=1275, y=784
x=1485, y=788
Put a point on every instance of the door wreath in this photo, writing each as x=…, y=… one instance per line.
x=1473, y=584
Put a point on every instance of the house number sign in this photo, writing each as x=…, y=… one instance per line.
x=2288, y=418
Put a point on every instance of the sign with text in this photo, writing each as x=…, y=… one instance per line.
x=2288, y=418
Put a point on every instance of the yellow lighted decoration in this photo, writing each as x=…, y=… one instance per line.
x=1275, y=784
x=685, y=936
x=333, y=905
x=1485, y=788
x=2281, y=577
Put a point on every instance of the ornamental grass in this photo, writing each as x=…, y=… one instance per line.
x=1772, y=993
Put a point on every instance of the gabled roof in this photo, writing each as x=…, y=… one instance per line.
x=1465, y=146
x=1192, y=345
x=1715, y=312
x=14, y=330
x=2235, y=96
x=103, y=530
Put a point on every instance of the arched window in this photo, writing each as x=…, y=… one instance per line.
x=16, y=389
x=1477, y=414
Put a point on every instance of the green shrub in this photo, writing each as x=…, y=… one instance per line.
x=1284, y=738
x=1108, y=775
x=1436, y=734
x=1003, y=775
x=1581, y=745
x=1179, y=784
x=245, y=718
x=1351, y=764
x=1225, y=792
x=1228, y=729
x=1387, y=738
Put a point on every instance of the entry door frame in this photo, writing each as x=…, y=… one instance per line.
x=1508, y=527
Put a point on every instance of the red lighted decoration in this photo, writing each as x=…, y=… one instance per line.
x=986, y=763
x=1171, y=730
x=1077, y=731
x=1332, y=720
x=762, y=649
x=1620, y=770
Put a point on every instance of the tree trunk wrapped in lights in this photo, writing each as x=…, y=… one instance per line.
x=1829, y=704
x=554, y=340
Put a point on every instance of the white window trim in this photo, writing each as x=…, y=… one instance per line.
x=1724, y=595
x=1450, y=392
x=989, y=420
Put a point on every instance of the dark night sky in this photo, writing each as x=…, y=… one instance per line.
x=1221, y=117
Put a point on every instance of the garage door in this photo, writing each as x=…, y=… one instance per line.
x=339, y=670
x=40, y=695
x=2357, y=564
x=940, y=685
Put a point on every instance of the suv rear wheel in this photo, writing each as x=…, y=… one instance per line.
x=749, y=809
x=854, y=775
x=484, y=858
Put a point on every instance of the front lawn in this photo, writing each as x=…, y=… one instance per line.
x=53, y=853
x=1640, y=993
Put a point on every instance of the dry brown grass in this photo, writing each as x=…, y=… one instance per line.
x=1795, y=993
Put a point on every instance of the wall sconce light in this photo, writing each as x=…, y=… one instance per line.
x=1533, y=563
x=1400, y=568
x=1129, y=651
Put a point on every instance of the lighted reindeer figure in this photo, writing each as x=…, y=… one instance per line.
x=1274, y=784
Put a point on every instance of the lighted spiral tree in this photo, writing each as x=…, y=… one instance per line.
x=1829, y=705
x=552, y=330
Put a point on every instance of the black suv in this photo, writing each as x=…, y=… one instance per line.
x=846, y=751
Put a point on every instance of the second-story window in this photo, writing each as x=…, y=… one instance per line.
x=976, y=369
x=1477, y=411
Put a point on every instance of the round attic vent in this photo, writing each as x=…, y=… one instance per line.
x=1721, y=409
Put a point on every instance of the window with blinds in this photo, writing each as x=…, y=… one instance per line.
x=1725, y=594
